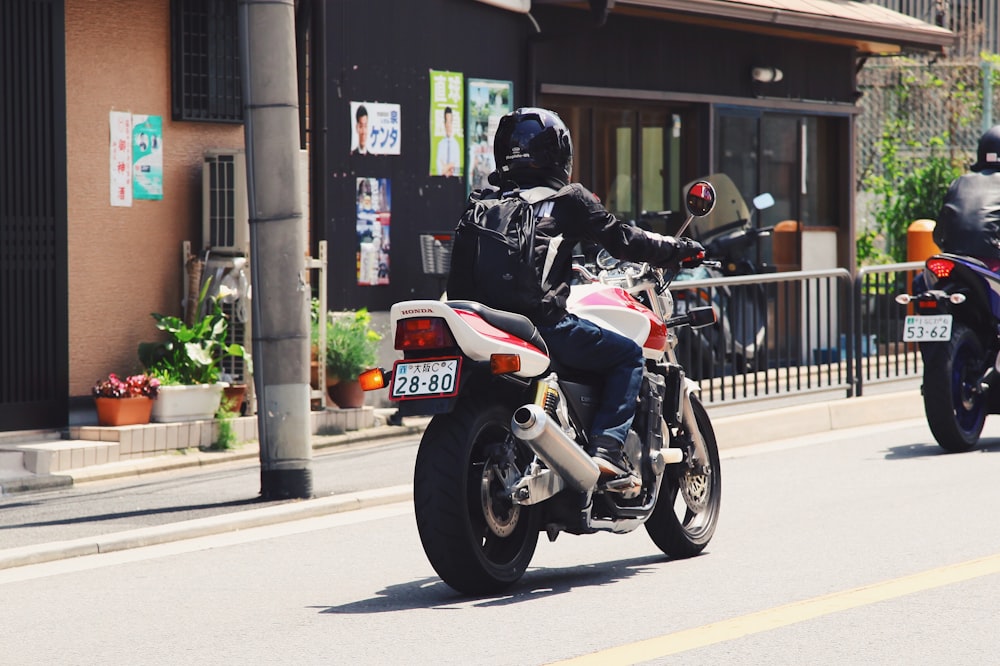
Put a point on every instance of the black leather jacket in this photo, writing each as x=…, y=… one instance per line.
x=577, y=215
x=969, y=221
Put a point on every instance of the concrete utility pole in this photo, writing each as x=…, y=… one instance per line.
x=278, y=247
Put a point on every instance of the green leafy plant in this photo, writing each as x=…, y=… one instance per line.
x=227, y=435
x=351, y=342
x=192, y=354
x=911, y=188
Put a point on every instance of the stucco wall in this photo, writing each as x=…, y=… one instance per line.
x=125, y=263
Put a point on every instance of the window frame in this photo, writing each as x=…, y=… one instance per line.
x=205, y=78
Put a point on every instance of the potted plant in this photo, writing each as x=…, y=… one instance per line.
x=188, y=362
x=351, y=348
x=127, y=401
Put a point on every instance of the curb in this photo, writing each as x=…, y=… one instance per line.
x=189, y=458
x=199, y=527
x=811, y=419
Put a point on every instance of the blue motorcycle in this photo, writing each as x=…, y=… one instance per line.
x=955, y=321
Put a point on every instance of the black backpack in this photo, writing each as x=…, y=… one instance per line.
x=492, y=256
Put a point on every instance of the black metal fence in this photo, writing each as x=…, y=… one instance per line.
x=784, y=334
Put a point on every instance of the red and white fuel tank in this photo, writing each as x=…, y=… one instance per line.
x=614, y=308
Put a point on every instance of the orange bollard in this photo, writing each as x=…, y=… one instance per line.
x=920, y=243
x=920, y=246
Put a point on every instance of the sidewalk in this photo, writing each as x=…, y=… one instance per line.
x=731, y=431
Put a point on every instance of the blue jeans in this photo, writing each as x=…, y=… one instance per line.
x=581, y=344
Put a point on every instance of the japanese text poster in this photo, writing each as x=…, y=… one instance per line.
x=447, y=106
x=121, y=158
x=376, y=129
x=374, y=206
x=147, y=157
x=488, y=102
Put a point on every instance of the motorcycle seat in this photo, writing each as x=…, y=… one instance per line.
x=511, y=322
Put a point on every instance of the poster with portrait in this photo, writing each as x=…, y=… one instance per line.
x=489, y=100
x=446, y=126
x=376, y=128
x=374, y=205
x=147, y=157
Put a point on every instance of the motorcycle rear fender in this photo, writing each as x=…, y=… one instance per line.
x=477, y=338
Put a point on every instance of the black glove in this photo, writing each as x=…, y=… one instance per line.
x=689, y=252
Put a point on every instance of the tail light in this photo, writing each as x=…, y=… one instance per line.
x=941, y=268
x=422, y=333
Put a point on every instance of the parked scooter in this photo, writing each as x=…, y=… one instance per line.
x=504, y=456
x=956, y=322
x=741, y=310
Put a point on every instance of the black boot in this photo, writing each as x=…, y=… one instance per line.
x=609, y=454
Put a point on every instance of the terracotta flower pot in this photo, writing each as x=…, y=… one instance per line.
x=123, y=411
x=347, y=394
x=233, y=397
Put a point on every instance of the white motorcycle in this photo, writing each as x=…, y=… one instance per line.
x=503, y=457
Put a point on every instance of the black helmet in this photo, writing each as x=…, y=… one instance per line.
x=533, y=146
x=988, y=156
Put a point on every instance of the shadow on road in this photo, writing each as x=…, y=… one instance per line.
x=536, y=583
x=909, y=451
x=117, y=515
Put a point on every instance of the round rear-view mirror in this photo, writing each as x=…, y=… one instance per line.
x=700, y=198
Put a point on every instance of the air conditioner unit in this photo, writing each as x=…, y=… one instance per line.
x=225, y=214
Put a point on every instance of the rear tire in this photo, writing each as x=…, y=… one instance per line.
x=955, y=413
x=687, y=509
x=476, y=539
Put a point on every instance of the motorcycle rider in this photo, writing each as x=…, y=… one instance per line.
x=533, y=148
x=969, y=221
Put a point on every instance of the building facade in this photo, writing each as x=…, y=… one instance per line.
x=656, y=93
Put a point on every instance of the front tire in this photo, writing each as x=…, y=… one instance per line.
x=955, y=411
x=476, y=539
x=687, y=509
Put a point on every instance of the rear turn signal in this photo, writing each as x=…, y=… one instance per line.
x=422, y=333
x=373, y=380
x=503, y=364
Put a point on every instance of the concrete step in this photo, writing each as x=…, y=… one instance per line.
x=87, y=446
x=12, y=464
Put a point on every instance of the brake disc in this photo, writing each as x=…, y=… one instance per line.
x=499, y=510
x=695, y=487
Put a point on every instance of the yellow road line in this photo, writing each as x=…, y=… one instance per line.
x=783, y=616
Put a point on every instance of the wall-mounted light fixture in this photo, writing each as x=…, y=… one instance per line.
x=767, y=74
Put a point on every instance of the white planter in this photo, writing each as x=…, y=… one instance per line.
x=196, y=402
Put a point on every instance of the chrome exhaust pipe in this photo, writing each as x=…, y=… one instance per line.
x=533, y=426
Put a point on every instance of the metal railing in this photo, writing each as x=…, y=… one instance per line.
x=878, y=351
x=784, y=334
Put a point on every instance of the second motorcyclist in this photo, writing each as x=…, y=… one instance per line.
x=969, y=221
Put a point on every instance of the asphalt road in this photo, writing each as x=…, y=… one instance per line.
x=863, y=545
